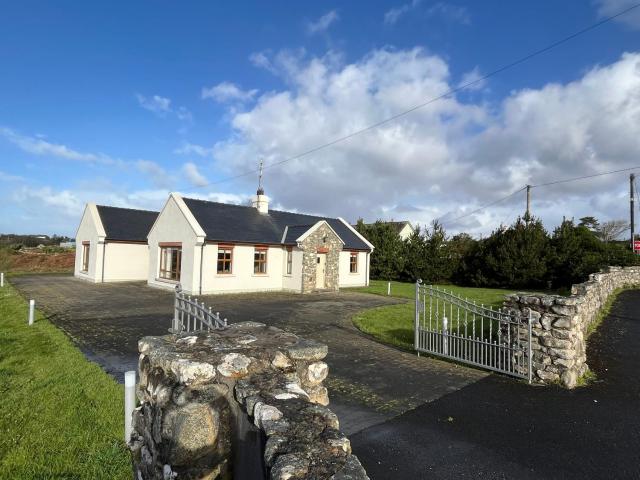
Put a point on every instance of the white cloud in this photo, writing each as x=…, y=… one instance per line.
x=155, y=172
x=63, y=202
x=446, y=11
x=609, y=8
x=193, y=149
x=472, y=80
x=453, y=13
x=184, y=114
x=156, y=104
x=192, y=173
x=261, y=60
x=38, y=146
x=323, y=23
x=7, y=177
x=228, y=92
x=445, y=159
x=394, y=14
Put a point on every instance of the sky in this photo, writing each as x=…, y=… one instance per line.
x=119, y=103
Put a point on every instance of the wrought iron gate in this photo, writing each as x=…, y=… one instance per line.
x=450, y=326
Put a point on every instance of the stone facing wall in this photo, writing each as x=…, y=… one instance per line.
x=195, y=389
x=560, y=324
x=309, y=248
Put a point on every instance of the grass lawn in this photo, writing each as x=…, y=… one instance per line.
x=394, y=323
x=60, y=415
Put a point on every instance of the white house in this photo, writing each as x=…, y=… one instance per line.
x=111, y=244
x=404, y=229
x=210, y=247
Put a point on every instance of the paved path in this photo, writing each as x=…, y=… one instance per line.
x=500, y=428
x=368, y=382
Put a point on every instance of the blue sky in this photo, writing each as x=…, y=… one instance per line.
x=123, y=102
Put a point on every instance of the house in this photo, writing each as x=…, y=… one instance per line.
x=404, y=229
x=111, y=244
x=210, y=247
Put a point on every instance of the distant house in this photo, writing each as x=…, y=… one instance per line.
x=404, y=229
x=70, y=244
x=210, y=247
x=111, y=244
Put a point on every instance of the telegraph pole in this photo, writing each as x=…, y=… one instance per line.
x=632, y=178
x=528, y=214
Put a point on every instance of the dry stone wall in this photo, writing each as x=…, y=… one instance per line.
x=560, y=324
x=212, y=402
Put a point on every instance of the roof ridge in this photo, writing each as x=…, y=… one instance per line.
x=127, y=208
x=270, y=210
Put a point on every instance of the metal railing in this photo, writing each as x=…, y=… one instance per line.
x=453, y=327
x=191, y=316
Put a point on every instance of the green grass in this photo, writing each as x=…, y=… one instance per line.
x=60, y=415
x=394, y=323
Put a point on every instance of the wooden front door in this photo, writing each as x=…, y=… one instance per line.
x=321, y=263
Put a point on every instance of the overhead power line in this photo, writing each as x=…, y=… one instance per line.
x=434, y=99
x=495, y=202
x=567, y=180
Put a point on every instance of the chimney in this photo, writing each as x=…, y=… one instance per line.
x=260, y=201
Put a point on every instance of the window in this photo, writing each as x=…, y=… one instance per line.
x=289, y=260
x=85, y=256
x=170, y=261
x=225, y=259
x=260, y=260
x=353, y=262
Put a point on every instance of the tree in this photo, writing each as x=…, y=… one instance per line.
x=611, y=230
x=591, y=223
x=387, y=258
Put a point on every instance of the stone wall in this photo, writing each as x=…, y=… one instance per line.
x=326, y=240
x=560, y=324
x=244, y=402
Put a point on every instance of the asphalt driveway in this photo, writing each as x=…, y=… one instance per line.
x=368, y=382
x=499, y=428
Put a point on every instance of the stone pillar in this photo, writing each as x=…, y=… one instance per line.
x=195, y=389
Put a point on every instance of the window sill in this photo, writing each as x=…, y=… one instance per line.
x=353, y=273
x=225, y=275
x=166, y=280
x=287, y=275
x=259, y=274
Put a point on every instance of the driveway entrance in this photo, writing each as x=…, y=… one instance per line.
x=368, y=382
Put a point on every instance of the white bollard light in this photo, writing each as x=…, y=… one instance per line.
x=32, y=310
x=1, y=279
x=388, y=288
x=129, y=402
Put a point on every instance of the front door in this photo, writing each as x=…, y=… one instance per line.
x=321, y=262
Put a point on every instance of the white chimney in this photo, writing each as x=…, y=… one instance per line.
x=261, y=202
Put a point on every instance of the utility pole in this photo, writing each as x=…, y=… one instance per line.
x=528, y=214
x=632, y=178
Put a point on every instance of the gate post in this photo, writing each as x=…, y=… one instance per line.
x=529, y=349
x=416, y=322
x=176, y=309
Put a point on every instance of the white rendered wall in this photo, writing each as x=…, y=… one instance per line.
x=126, y=262
x=405, y=232
x=292, y=282
x=88, y=231
x=172, y=226
x=348, y=279
x=242, y=279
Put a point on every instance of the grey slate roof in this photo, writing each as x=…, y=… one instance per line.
x=126, y=223
x=235, y=223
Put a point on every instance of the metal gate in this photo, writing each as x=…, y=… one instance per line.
x=450, y=326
